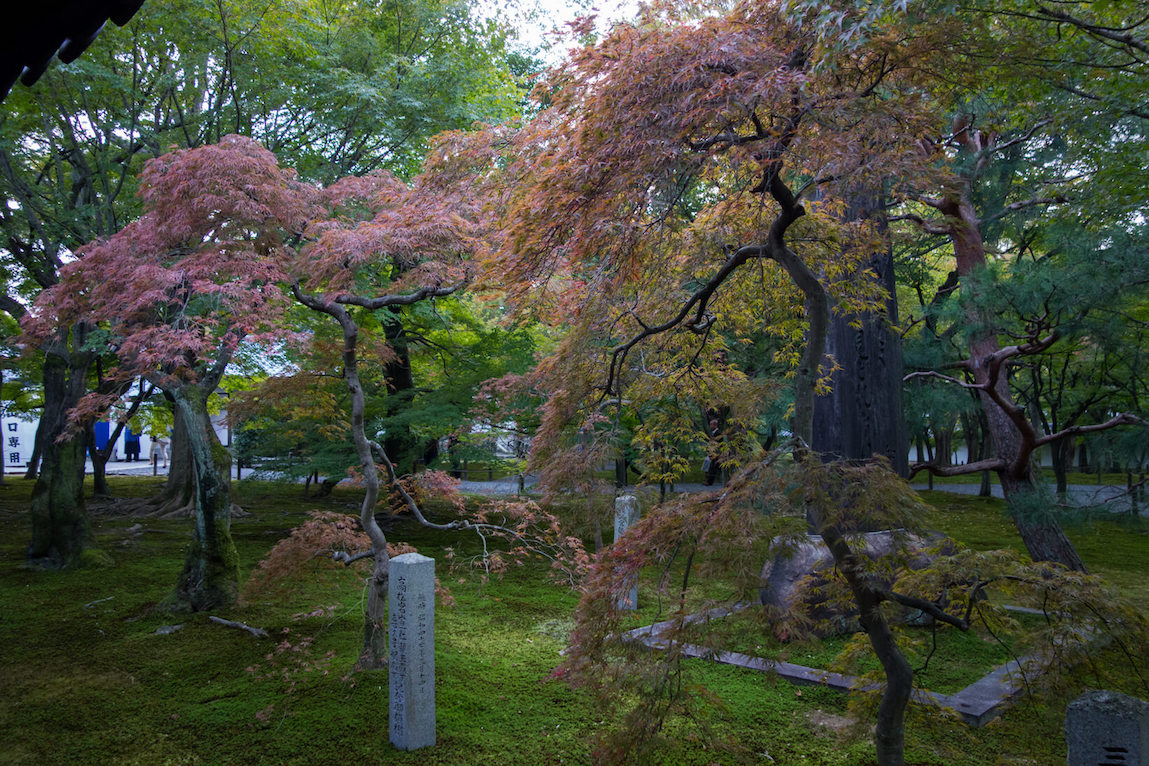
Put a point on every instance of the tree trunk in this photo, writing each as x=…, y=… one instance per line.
x=862, y=416
x=398, y=443
x=619, y=470
x=1032, y=511
x=37, y=451
x=374, y=653
x=943, y=444
x=1010, y=431
x=99, y=459
x=177, y=499
x=61, y=532
x=1062, y=456
x=889, y=730
x=211, y=570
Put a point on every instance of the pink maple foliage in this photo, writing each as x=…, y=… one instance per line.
x=179, y=289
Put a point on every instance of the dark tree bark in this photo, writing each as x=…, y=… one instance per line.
x=399, y=444
x=1062, y=458
x=37, y=451
x=862, y=415
x=99, y=458
x=61, y=531
x=210, y=577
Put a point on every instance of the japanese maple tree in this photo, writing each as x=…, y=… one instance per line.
x=174, y=294
x=385, y=244
x=685, y=158
x=688, y=163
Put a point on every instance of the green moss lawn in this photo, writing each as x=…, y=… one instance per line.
x=85, y=678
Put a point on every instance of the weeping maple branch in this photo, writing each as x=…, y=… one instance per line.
x=553, y=552
x=697, y=302
x=402, y=299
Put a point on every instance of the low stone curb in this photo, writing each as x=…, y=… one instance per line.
x=977, y=704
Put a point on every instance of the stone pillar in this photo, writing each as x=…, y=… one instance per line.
x=411, y=604
x=625, y=515
x=1104, y=727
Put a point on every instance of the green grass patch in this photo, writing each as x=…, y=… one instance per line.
x=86, y=679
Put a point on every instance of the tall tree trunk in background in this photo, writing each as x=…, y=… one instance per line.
x=210, y=577
x=1062, y=454
x=61, y=531
x=398, y=443
x=862, y=414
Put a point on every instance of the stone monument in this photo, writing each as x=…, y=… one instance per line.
x=1104, y=727
x=626, y=515
x=411, y=604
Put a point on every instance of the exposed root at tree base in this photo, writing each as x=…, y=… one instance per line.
x=149, y=508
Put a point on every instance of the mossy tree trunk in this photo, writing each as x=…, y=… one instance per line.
x=61, y=532
x=178, y=496
x=210, y=577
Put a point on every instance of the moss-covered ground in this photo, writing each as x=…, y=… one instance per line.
x=85, y=678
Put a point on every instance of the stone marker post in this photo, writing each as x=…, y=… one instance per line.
x=625, y=515
x=1104, y=727
x=411, y=603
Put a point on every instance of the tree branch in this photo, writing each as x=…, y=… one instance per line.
x=699, y=299
x=929, y=227
x=257, y=632
x=405, y=299
x=929, y=607
x=989, y=464
x=1125, y=38
x=1023, y=204
x=350, y=558
x=1120, y=419
x=946, y=378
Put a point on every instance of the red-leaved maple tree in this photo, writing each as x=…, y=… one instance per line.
x=386, y=244
x=174, y=295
